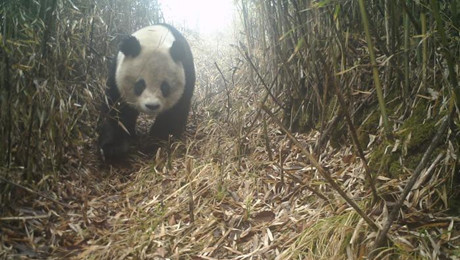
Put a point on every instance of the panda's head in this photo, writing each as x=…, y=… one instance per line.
x=150, y=74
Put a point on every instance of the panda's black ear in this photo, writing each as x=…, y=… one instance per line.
x=177, y=51
x=130, y=46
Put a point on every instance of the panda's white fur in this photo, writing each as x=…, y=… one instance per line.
x=154, y=65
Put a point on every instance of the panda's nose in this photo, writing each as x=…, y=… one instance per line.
x=152, y=106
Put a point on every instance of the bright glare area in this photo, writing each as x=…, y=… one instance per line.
x=203, y=16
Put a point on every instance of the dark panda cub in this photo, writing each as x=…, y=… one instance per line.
x=154, y=74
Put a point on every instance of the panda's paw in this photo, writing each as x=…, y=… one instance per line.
x=112, y=151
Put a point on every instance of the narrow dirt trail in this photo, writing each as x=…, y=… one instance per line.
x=211, y=198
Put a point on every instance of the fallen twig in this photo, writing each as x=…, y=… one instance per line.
x=354, y=137
x=322, y=171
x=394, y=213
x=25, y=217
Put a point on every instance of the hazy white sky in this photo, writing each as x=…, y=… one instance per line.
x=206, y=16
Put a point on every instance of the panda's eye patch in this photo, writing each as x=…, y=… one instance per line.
x=139, y=87
x=165, y=89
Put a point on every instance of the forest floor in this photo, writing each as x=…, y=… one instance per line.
x=218, y=195
x=233, y=189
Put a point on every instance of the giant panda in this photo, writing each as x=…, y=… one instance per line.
x=153, y=74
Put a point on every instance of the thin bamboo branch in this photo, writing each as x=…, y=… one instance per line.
x=227, y=91
x=324, y=134
x=311, y=189
x=35, y=192
x=23, y=218
x=356, y=143
x=246, y=55
x=445, y=50
x=264, y=99
x=379, y=241
x=267, y=140
x=326, y=175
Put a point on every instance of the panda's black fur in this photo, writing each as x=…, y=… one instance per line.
x=117, y=131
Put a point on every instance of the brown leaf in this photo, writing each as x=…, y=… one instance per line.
x=264, y=216
x=349, y=158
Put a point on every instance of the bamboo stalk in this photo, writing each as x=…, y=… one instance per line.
x=424, y=50
x=6, y=84
x=406, y=56
x=390, y=30
x=445, y=50
x=375, y=71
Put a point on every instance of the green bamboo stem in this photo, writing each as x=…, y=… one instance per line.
x=446, y=53
x=375, y=71
x=424, y=50
x=406, y=56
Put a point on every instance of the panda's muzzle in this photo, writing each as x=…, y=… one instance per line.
x=152, y=107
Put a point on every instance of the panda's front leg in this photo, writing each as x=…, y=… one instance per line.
x=171, y=122
x=117, y=133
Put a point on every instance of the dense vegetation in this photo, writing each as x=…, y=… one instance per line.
x=54, y=60
x=327, y=128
